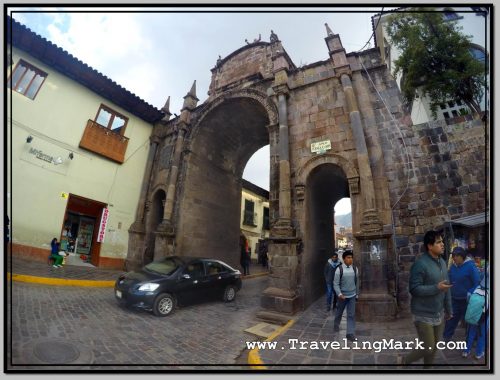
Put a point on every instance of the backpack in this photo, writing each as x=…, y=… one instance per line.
x=341, y=269
x=475, y=308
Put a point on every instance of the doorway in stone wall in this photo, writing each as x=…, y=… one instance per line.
x=154, y=218
x=326, y=184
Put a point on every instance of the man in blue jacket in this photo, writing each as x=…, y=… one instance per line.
x=464, y=276
x=330, y=266
x=430, y=299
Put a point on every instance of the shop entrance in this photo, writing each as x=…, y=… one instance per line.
x=80, y=229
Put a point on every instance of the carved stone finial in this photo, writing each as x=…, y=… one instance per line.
x=248, y=43
x=219, y=60
x=190, y=100
x=328, y=30
x=274, y=37
x=192, y=92
x=166, y=107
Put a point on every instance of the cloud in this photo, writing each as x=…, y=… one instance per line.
x=114, y=44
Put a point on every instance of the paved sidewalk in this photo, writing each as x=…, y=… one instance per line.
x=315, y=325
x=25, y=268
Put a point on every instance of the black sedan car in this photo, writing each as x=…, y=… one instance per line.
x=161, y=285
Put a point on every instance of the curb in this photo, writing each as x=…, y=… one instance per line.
x=87, y=283
x=250, y=276
x=61, y=281
x=253, y=356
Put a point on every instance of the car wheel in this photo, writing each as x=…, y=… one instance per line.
x=229, y=293
x=164, y=305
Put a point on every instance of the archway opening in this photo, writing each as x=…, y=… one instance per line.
x=255, y=211
x=210, y=207
x=325, y=186
x=342, y=217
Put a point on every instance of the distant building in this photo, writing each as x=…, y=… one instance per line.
x=254, y=215
x=473, y=20
x=79, y=146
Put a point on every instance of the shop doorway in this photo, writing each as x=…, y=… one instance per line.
x=80, y=229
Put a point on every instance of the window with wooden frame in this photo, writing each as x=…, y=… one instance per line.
x=112, y=120
x=26, y=79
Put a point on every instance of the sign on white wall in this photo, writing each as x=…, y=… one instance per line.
x=102, y=226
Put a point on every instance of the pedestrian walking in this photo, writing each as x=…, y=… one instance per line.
x=244, y=255
x=476, y=332
x=54, y=253
x=346, y=286
x=430, y=299
x=330, y=266
x=464, y=276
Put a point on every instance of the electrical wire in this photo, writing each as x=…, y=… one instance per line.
x=399, y=130
x=374, y=29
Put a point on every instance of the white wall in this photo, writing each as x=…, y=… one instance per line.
x=56, y=119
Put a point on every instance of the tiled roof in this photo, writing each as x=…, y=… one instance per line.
x=45, y=51
x=255, y=189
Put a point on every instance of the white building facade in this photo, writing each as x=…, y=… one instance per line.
x=78, y=146
x=475, y=22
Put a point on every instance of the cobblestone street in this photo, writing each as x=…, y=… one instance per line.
x=81, y=326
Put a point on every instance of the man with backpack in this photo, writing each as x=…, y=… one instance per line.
x=464, y=277
x=477, y=319
x=330, y=267
x=346, y=286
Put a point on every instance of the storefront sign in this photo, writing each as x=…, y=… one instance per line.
x=42, y=156
x=102, y=226
x=321, y=146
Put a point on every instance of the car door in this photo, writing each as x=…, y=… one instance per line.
x=191, y=283
x=217, y=277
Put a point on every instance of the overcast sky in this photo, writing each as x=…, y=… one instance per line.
x=159, y=53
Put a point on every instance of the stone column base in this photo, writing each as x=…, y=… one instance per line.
x=280, y=300
x=135, y=254
x=283, y=229
x=164, y=245
x=376, y=307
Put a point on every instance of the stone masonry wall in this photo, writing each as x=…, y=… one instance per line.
x=446, y=180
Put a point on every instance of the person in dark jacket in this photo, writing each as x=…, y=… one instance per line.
x=244, y=255
x=330, y=267
x=430, y=299
x=464, y=276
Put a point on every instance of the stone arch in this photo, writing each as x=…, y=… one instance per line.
x=259, y=96
x=224, y=135
x=320, y=183
x=329, y=158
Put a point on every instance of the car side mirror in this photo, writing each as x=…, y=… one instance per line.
x=186, y=276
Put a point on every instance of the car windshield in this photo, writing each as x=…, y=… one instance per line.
x=165, y=266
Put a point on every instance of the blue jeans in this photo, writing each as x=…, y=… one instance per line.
x=330, y=295
x=350, y=303
x=459, y=308
x=479, y=332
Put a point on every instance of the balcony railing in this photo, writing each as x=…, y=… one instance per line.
x=103, y=141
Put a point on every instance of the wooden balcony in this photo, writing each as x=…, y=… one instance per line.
x=103, y=141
